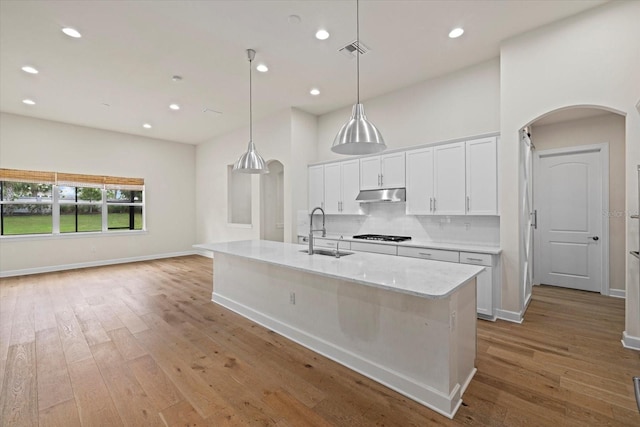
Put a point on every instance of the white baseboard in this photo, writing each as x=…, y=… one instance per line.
x=52, y=268
x=446, y=405
x=207, y=254
x=509, y=316
x=618, y=293
x=630, y=342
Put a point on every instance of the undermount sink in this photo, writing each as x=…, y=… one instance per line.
x=327, y=252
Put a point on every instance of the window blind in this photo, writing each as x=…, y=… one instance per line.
x=36, y=177
x=72, y=179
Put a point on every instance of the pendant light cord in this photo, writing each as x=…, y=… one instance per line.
x=250, y=105
x=358, y=49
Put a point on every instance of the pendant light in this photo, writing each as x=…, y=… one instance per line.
x=358, y=135
x=250, y=162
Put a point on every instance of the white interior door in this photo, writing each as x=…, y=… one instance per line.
x=569, y=201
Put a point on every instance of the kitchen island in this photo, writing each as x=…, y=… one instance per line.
x=409, y=324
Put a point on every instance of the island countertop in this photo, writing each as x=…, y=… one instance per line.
x=419, y=277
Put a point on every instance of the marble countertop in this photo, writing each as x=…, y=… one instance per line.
x=493, y=250
x=419, y=277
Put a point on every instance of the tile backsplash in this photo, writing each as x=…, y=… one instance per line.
x=390, y=218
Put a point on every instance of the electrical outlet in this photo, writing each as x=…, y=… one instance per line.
x=292, y=298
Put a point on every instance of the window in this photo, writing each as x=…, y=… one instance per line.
x=61, y=203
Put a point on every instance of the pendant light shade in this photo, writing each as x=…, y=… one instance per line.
x=251, y=161
x=358, y=135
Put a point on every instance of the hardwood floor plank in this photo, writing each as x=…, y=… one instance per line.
x=192, y=362
x=63, y=414
x=126, y=343
x=73, y=341
x=155, y=382
x=92, y=398
x=18, y=402
x=54, y=385
x=132, y=403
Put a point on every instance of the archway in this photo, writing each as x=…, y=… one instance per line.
x=569, y=129
x=272, y=202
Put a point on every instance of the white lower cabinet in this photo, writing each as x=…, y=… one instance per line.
x=374, y=247
x=432, y=254
x=484, y=292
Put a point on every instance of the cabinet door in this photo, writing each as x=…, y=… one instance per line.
x=449, y=179
x=332, y=188
x=392, y=170
x=484, y=293
x=350, y=187
x=316, y=186
x=420, y=182
x=482, y=177
x=370, y=173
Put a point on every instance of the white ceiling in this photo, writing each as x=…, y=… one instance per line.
x=130, y=50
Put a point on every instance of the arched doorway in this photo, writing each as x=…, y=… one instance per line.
x=560, y=137
x=272, y=202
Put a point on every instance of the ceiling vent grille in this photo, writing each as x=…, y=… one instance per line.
x=351, y=49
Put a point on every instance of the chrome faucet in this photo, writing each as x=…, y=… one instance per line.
x=338, y=246
x=311, y=230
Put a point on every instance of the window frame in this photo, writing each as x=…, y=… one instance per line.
x=104, y=184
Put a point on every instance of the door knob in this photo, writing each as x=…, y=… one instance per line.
x=594, y=238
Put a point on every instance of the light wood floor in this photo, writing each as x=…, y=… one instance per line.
x=142, y=344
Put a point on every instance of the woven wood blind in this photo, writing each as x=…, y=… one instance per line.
x=72, y=179
x=15, y=175
x=79, y=180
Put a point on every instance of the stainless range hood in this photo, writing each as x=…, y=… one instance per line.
x=386, y=195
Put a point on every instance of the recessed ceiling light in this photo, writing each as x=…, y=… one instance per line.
x=175, y=107
x=29, y=69
x=455, y=33
x=322, y=35
x=146, y=126
x=29, y=101
x=176, y=78
x=262, y=68
x=72, y=32
x=314, y=92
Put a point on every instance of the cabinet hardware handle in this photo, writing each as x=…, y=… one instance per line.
x=381, y=180
x=424, y=253
x=468, y=204
x=474, y=259
x=434, y=204
x=430, y=204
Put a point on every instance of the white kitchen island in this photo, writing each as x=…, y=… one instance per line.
x=407, y=323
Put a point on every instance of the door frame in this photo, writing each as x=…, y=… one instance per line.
x=603, y=150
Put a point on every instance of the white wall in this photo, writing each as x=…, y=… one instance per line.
x=167, y=168
x=461, y=104
x=595, y=130
x=591, y=59
x=286, y=137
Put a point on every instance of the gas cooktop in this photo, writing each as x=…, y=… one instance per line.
x=382, y=237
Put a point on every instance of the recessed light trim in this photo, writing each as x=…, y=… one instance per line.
x=322, y=34
x=72, y=32
x=262, y=68
x=29, y=101
x=314, y=91
x=146, y=126
x=174, y=107
x=456, y=32
x=29, y=69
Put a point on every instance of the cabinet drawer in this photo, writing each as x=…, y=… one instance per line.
x=475, y=258
x=433, y=254
x=374, y=247
x=330, y=243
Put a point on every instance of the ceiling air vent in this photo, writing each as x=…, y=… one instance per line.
x=350, y=49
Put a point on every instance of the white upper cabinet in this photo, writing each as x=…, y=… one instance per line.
x=341, y=187
x=420, y=182
x=316, y=186
x=385, y=171
x=482, y=177
x=449, y=179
